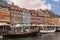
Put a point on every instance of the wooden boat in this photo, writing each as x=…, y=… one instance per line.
x=23, y=30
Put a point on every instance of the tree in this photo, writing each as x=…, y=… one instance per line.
x=52, y=14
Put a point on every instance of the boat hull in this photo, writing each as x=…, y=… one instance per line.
x=23, y=34
x=58, y=29
x=50, y=31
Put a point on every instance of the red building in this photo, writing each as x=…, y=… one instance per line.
x=34, y=17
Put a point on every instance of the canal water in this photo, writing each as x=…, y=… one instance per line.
x=50, y=36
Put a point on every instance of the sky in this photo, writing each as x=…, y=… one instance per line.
x=52, y=5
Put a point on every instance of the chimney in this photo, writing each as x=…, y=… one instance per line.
x=12, y=3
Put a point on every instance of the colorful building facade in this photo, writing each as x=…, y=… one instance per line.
x=25, y=17
x=4, y=15
x=34, y=17
x=59, y=20
x=4, y=12
x=51, y=21
x=10, y=13
x=15, y=14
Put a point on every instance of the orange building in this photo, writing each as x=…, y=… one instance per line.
x=4, y=15
x=4, y=12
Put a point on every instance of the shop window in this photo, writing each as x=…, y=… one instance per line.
x=12, y=7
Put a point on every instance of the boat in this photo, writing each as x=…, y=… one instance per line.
x=47, y=29
x=58, y=28
x=23, y=30
x=4, y=28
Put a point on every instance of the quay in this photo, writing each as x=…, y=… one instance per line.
x=6, y=29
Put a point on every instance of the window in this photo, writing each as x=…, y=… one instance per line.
x=16, y=8
x=34, y=14
x=12, y=7
x=41, y=19
x=17, y=11
x=40, y=14
x=0, y=7
x=12, y=11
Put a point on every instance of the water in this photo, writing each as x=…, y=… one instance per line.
x=51, y=36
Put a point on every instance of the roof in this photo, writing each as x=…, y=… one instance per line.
x=14, y=7
x=2, y=24
x=4, y=3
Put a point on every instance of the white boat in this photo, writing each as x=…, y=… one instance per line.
x=48, y=29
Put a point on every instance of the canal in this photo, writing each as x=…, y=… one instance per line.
x=50, y=36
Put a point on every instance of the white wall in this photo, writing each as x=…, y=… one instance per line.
x=59, y=21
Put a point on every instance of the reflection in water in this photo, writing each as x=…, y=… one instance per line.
x=52, y=36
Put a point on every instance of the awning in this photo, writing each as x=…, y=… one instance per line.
x=3, y=24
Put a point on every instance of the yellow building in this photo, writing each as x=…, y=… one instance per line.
x=51, y=21
x=59, y=20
